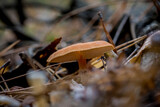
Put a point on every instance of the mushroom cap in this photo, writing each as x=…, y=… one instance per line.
x=86, y=50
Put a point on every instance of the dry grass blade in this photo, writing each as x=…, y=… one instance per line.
x=25, y=58
x=23, y=89
x=133, y=33
x=5, y=83
x=4, y=67
x=16, y=90
x=131, y=44
x=1, y=88
x=9, y=47
x=44, y=68
x=105, y=30
x=126, y=43
x=23, y=92
x=14, y=78
x=131, y=55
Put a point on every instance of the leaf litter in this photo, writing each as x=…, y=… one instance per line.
x=127, y=77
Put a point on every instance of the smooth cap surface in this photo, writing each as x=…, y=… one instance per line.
x=81, y=50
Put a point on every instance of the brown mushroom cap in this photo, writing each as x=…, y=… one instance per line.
x=86, y=50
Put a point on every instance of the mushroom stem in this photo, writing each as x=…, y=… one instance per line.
x=82, y=63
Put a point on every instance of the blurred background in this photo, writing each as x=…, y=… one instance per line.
x=28, y=36
x=45, y=20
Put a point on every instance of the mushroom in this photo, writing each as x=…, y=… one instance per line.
x=81, y=52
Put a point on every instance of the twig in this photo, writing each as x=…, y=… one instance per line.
x=131, y=54
x=9, y=47
x=126, y=43
x=1, y=88
x=31, y=72
x=133, y=34
x=23, y=89
x=21, y=92
x=5, y=83
x=57, y=70
x=14, y=77
x=105, y=30
x=42, y=68
x=53, y=72
x=120, y=28
x=41, y=56
x=18, y=50
x=4, y=67
x=16, y=90
x=130, y=45
x=123, y=22
x=26, y=59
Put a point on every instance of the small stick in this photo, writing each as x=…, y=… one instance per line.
x=28, y=93
x=53, y=73
x=45, y=68
x=1, y=88
x=5, y=83
x=131, y=54
x=126, y=43
x=105, y=30
x=41, y=67
x=130, y=45
x=9, y=47
x=14, y=78
x=4, y=67
x=16, y=90
x=26, y=59
x=22, y=90
x=132, y=28
x=57, y=70
x=120, y=28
